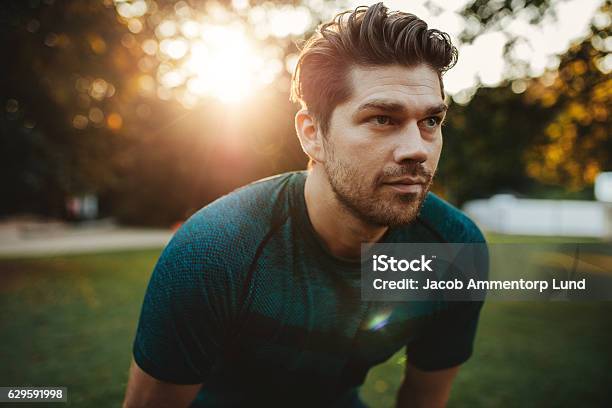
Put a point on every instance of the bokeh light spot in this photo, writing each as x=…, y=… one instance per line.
x=96, y=115
x=80, y=122
x=12, y=106
x=114, y=121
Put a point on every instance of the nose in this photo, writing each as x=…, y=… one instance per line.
x=410, y=145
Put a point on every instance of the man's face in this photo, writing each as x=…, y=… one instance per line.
x=384, y=143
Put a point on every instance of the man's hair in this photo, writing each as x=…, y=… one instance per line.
x=368, y=37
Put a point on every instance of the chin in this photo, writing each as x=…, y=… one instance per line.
x=402, y=218
x=393, y=215
x=404, y=209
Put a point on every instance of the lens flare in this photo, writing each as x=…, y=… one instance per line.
x=378, y=321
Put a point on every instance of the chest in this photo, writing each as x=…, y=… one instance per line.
x=302, y=318
x=302, y=324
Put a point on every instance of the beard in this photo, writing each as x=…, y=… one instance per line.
x=370, y=200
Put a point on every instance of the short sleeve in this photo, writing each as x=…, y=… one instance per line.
x=180, y=329
x=447, y=337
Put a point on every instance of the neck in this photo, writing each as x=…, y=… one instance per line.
x=339, y=229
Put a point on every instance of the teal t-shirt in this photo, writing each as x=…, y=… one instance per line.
x=246, y=300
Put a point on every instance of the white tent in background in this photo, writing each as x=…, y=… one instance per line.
x=507, y=214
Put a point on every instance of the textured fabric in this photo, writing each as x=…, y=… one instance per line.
x=246, y=300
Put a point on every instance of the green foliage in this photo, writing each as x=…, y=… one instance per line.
x=46, y=157
x=484, y=142
x=77, y=121
x=549, y=141
x=578, y=144
x=487, y=15
x=81, y=114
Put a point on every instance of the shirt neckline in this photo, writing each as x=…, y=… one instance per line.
x=312, y=237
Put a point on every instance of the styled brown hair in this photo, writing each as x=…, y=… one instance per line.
x=367, y=36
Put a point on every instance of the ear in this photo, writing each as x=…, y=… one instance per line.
x=310, y=135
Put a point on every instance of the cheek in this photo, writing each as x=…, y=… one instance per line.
x=435, y=152
x=369, y=157
x=356, y=148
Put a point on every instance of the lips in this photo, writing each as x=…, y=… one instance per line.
x=407, y=185
x=407, y=180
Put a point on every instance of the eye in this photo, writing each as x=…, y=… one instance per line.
x=381, y=120
x=432, y=122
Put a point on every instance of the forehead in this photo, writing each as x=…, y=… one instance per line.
x=414, y=87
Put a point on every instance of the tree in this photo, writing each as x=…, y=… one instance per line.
x=85, y=112
x=530, y=133
x=577, y=143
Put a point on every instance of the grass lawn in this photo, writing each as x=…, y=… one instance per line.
x=70, y=321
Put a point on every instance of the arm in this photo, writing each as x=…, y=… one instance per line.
x=146, y=391
x=426, y=389
x=179, y=336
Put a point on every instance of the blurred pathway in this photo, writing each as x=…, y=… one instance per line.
x=27, y=239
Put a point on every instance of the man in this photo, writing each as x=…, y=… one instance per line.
x=256, y=300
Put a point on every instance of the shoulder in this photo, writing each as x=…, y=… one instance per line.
x=248, y=206
x=224, y=234
x=448, y=222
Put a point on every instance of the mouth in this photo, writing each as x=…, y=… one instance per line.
x=406, y=186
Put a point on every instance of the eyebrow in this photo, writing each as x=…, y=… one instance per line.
x=394, y=107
